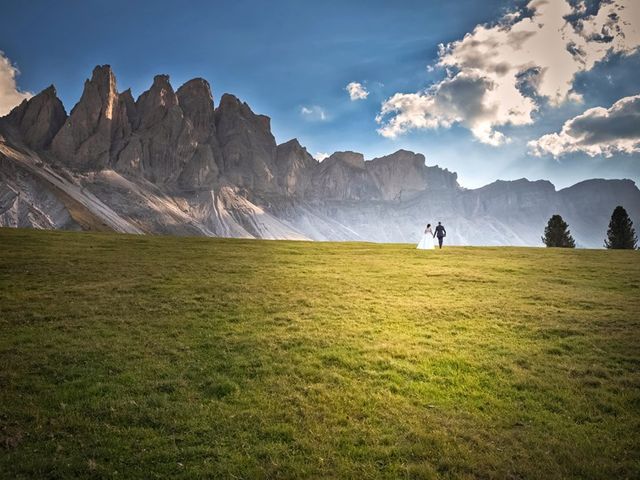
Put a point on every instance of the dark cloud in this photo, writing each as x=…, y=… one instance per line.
x=598, y=131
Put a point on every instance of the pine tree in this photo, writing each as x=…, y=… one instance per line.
x=557, y=234
x=621, y=233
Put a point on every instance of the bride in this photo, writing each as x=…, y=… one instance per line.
x=426, y=242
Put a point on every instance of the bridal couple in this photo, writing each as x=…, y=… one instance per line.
x=426, y=242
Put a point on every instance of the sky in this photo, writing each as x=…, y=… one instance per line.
x=492, y=89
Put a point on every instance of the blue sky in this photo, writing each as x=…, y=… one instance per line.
x=287, y=57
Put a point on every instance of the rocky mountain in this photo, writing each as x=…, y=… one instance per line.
x=172, y=162
x=39, y=119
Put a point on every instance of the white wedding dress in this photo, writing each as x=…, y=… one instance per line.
x=426, y=242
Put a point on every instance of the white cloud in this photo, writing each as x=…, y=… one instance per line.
x=10, y=95
x=357, y=91
x=597, y=131
x=320, y=156
x=504, y=71
x=314, y=112
x=468, y=98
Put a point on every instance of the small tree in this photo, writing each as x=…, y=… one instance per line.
x=557, y=234
x=621, y=233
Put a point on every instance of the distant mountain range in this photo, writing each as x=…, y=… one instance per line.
x=171, y=163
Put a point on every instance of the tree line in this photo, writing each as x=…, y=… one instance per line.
x=620, y=234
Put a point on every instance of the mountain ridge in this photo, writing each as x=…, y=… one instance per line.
x=172, y=162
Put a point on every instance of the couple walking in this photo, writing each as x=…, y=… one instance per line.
x=426, y=243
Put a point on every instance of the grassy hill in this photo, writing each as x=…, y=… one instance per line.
x=147, y=357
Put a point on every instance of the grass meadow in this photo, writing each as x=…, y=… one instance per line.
x=153, y=357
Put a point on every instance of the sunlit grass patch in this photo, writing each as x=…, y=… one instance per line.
x=191, y=357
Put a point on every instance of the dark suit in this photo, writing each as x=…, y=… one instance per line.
x=440, y=233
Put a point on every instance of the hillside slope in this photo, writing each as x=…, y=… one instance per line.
x=192, y=358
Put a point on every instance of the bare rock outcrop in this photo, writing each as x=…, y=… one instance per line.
x=84, y=141
x=399, y=175
x=203, y=168
x=39, y=118
x=404, y=174
x=344, y=176
x=173, y=141
x=196, y=100
x=499, y=198
x=294, y=167
x=170, y=162
x=125, y=121
x=160, y=144
x=248, y=147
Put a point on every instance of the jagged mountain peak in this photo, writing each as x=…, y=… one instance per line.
x=294, y=142
x=161, y=88
x=127, y=93
x=521, y=183
x=617, y=183
x=228, y=100
x=232, y=105
x=294, y=167
x=196, y=100
x=85, y=139
x=294, y=146
x=39, y=118
x=46, y=95
x=50, y=91
x=401, y=158
x=128, y=105
x=99, y=92
x=247, y=144
x=352, y=159
x=197, y=87
x=160, y=93
x=170, y=162
x=153, y=104
x=101, y=87
x=402, y=153
x=102, y=74
x=162, y=80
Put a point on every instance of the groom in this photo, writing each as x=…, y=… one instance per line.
x=440, y=233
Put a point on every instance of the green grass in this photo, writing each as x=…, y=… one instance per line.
x=148, y=357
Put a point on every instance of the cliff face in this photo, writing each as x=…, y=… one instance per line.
x=39, y=118
x=84, y=140
x=172, y=162
x=248, y=147
x=344, y=177
x=294, y=167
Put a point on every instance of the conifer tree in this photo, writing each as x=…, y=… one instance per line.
x=557, y=234
x=621, y=233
